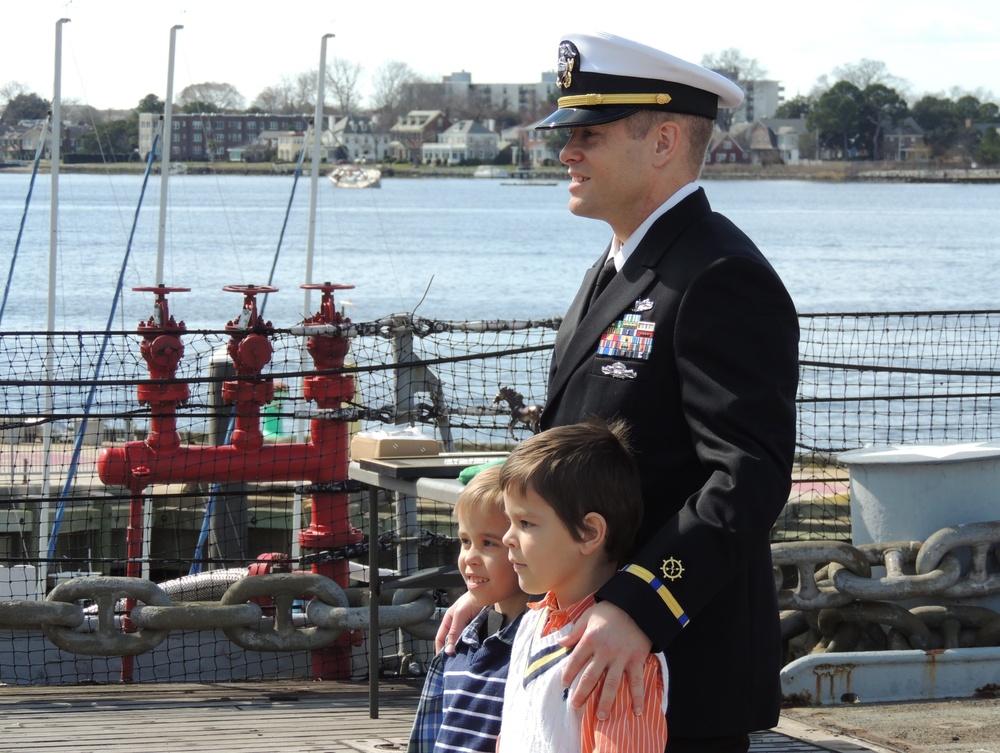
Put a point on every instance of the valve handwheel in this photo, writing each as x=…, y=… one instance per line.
x=250, y=289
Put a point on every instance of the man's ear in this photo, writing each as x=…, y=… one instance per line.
x=668, y=138
x=593, y=533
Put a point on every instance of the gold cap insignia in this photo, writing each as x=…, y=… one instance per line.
x=568, y=57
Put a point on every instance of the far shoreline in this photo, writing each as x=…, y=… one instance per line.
x=834, y=172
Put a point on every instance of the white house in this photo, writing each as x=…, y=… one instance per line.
x=465, y=141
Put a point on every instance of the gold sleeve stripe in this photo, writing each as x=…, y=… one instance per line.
x=662, y=590
x=598, y=100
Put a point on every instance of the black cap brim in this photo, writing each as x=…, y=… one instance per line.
x=574, y=117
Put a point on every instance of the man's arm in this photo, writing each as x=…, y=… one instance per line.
x=624, y=730
x=456, y=619
x=609, y=645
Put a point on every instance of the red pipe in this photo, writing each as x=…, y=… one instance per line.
x=323, y=459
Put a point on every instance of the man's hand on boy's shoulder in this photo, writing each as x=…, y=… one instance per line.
x=455, y=620
x=607, y=643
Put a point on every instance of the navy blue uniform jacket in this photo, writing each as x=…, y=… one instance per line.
x=711, y=407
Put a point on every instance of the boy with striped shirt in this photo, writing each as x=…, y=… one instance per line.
x=462, y=697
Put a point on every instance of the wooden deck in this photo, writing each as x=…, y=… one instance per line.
x=266, y=717
x=250, y=718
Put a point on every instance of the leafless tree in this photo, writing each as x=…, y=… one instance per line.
x=291, y=96
x=304, y=91
x=12, y=89
x=389, y=83
x=220, y=96
x=342, y=81
x=735, y=65
x=271, y=99
x=866, y=72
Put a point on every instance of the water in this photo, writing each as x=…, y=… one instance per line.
x=469, y=248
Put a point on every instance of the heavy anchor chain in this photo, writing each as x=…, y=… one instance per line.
x=108, y=639
x=897, y=583
x=814, y=590
x=981, y=539
x=285, y=589
x=838, y=595
x=329, y=610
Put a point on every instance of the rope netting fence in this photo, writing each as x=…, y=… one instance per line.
x=866, y=379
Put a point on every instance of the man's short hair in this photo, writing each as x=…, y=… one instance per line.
x=699, y=130
x=579, y=469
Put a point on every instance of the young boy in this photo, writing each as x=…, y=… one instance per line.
x=460, y=704
x=574, y=502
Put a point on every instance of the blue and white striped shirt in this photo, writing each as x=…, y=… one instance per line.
x=462, y=698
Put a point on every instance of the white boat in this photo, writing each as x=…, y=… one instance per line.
x=490, y=171
x=355, y=176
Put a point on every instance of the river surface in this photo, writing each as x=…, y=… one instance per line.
x=461, y=248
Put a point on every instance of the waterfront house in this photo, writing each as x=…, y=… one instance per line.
x=466, y=141
x=360, y=139
x=726, y=149
x=10, y=143
x=415, y=129
x=206, y=136
x=905, y=142
x=786, y=135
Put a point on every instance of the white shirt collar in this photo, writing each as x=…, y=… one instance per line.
x=621, y=252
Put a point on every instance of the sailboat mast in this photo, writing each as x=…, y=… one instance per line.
x=168, y=114
x=50, y=313
x=314, y=173
x=54, y=153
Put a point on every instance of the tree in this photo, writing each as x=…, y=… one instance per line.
x=733, y=64
x=836, y=116
x=737, y=67
x=26, y=107
x=200, y=106
x=796, y=107
x=880, y=106
x=211, y=97
x=10, y=90
x=940, y=122
x=270, y=99
x=989, y=148
x=290, y=97
x=391, y=83
x=342, y=79
x=110, y=139
x=867, y=73
x=988, y=113
x=149, y=103
x=303, y=91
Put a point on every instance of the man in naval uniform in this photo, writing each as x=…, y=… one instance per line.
x=694, y=341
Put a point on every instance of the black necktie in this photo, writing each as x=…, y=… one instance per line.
x=603, y=278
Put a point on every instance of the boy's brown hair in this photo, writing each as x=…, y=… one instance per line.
x=482, y=494
x=579, y=469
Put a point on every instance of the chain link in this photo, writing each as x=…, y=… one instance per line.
x=107, y=639
x=842, y=594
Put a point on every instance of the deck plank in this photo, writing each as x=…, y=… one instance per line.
x=266, y=717
x=329, y=717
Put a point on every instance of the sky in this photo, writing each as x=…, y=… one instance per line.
x=115, y=52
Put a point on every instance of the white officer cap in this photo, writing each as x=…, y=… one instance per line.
x=603, y=77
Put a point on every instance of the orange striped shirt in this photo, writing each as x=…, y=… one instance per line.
x=622, y=730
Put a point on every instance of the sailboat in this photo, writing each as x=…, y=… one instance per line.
x=355, y=175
